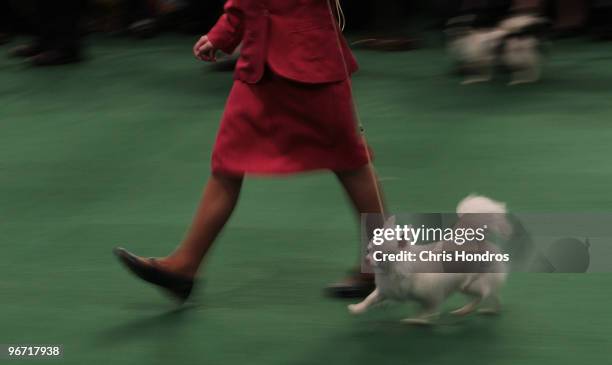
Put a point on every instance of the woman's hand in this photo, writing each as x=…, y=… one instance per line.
x=204, y=50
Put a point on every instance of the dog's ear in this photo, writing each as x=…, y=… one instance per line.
x=390, y=222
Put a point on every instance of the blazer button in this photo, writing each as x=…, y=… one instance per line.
x=266, y=12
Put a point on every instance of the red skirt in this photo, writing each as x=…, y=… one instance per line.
x=278, y=126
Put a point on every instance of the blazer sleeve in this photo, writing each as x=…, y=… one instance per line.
x=226, y=34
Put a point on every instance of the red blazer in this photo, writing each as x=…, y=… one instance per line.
x=297, y=39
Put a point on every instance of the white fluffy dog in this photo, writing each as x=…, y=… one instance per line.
x=514, y=43
x=428, y=284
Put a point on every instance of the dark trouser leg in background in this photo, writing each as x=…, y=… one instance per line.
x=5, y=21
x=59, y=32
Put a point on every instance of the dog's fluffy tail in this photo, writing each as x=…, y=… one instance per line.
x=489, y=212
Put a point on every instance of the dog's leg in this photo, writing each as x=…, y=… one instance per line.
x=483, y=73
x=479, y=71
x=525, y=76
x=485, y=77
x=487, y=71
x=475, y=288
x=532, y=74
x=518, y=78
x=369, y=301
x=495, y=306
x=426, y=317
x=474, y=80
x=468, y=308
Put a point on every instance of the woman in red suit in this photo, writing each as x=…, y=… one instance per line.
x=290, y=110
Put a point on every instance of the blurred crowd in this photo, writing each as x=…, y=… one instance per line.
x=57, y=27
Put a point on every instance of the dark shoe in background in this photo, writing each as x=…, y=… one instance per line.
x=144, y=29
x=356, y=285
x=388, y=44
x=54, y=58
x=25, y=50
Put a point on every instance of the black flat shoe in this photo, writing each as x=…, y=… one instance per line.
x=357, y=285
x=178, y=286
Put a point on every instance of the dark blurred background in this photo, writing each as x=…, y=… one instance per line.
x=59, y=26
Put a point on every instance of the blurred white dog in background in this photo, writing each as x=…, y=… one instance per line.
x=514, y=44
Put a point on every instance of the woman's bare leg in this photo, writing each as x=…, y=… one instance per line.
x=365, y=193
x=216, y=206
x=361, y=186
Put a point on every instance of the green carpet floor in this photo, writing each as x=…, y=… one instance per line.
x=115, y=151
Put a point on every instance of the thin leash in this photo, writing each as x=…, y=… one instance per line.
x=341, y=23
